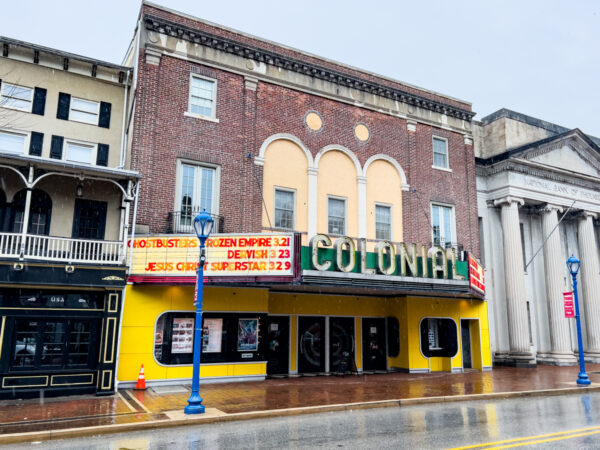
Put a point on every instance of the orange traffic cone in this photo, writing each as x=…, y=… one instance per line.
x=141, y=382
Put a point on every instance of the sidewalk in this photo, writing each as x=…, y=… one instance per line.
x=129, y=410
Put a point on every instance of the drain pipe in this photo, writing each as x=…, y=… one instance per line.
x=123, y=140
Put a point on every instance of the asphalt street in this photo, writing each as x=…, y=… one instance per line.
x=571, y=421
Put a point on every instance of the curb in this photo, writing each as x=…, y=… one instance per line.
x=200, y=420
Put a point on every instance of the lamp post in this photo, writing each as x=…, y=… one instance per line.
x=573, y=265
x=203, y=225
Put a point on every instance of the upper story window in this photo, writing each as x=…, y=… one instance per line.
x=336, y=215
x=284, y=208
x=196, y=191
x=12, y=142
x=202, y=96
x=84, y=111
x=79, y=152
x=442, y=222
x=383, y=222
x=16, y=97
x=440, y=153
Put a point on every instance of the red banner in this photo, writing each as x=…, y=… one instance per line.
x=476, y=277
x=569, y=305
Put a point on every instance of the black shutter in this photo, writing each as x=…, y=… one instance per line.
x=35, y=143
x=56, y=147
x=102, y=155
x=104, y=121
x=39, y=101
x=64, y=102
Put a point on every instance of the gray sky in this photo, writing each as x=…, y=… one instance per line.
x=539, y=58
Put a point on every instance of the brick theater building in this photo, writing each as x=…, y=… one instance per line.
x=342, y=168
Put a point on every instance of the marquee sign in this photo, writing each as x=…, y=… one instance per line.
x=227, y=255
x=476, y=275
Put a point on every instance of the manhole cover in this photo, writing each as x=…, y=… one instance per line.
x=169, y=389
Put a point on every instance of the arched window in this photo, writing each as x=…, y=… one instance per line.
x=39, y=213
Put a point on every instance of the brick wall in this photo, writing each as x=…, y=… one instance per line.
x=162, y=134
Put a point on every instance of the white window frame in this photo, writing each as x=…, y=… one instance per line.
x=189, y=113
x=3, y=94
x=216, y=182
x=454, y=239
x=391, y=208
x=84, y=121
x=345, y=200
x=293, y=192
x=94, y=148
x=447, y=166
x=26, y=142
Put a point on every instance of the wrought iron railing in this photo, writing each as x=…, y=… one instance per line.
x=50, y=248
x=183, y=221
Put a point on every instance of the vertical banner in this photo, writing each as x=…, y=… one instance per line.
x=476, y=276
x=569, y=305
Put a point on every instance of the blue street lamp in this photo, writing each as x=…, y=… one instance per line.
x=573, y=265
x=203, y=225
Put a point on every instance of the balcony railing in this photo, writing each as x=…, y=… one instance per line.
x=49, y=248
x=183, y=221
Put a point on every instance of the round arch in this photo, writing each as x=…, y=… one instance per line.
x=260, y=160
x=393, y=162
x=40, y=212
x=346, y=151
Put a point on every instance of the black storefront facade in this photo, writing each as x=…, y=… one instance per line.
x=58, y=328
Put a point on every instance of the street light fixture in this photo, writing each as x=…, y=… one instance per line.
x=203, y=225
x=573, y=264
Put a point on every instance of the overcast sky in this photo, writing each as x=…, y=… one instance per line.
x=539, y=58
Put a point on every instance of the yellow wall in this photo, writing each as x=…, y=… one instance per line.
x=384, y=186
x=337, y=177
x=144, y=304
x=286, y=167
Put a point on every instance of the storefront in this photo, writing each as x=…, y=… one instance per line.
x=59, y=337
x=273, y=308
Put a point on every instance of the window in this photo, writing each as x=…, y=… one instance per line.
x=202, y=96
x=84, y=111
x=440, y=153
x=39, y=213
x=336, y=216
x=383, y=222
x=196, y=187
x=16, y=97
x=442, y=223
x=79, y=152
x=58, y=343
x=89, y=219
x=439, y=337
x=284, y=209
x=12, y=142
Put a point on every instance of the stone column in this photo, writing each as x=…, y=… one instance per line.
x=518, y=328
x=561, y=352
x=589, y=287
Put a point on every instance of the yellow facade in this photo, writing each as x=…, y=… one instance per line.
x=384, y=187
x=145, y=303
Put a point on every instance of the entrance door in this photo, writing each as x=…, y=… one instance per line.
x=311, y=344
x=374, y=344
x=465, y=340
x=278, y=349
x=341, y=343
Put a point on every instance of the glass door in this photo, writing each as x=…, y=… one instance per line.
x=341, y=344
x=311, y=344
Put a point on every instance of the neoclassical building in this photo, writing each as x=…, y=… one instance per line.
x=538, y=191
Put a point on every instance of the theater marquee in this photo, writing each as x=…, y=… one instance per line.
x=228, y=255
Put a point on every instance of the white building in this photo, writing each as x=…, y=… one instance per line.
x=531, y=173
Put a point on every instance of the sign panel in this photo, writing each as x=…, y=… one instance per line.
x=569, y=305
x=182, y=340
x=476, y=275
x=212, y=335
x=227, y=255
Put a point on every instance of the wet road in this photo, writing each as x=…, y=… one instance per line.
x=536, y=422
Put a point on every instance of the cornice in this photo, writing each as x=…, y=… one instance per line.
x=523, y=168
x=166, y=27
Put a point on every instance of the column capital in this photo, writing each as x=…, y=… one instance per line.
x=508, y=200
x=549, y=207
x=586, y=214
x=313, y=171
x=468, y=139
x=152, y=56
x=250, y=83
x=361, y=179
x=411, y=125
